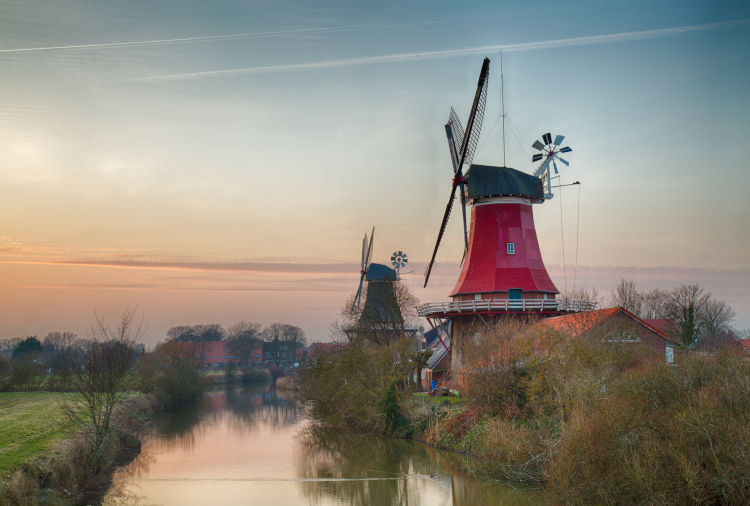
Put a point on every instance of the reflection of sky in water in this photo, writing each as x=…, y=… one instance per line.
x=249, y=446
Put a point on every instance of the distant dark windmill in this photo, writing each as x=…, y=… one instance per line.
x=381, y=317
x=462, y=144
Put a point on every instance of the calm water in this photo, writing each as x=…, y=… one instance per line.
x=250, y=447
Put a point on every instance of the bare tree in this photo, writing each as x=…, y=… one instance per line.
x=656, y=304
x=100, y=377
x=53, y=348
x=714, y=322
x=583, y=296
x=283, y=337
x=626, y=296
x=243, y=338
x=193, y=333
x=684, y=306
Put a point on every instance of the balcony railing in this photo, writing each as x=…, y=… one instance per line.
x=476, y=306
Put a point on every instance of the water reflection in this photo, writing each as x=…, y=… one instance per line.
x=362, y=470
x=249, y=445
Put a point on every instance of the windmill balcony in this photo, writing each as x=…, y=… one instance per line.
x=480, y=306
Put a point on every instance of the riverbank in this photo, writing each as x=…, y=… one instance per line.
x=46, y=460
x=588, y=422
x=252, y=445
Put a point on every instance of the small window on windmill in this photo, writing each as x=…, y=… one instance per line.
x=510, y=248
x=477, y=296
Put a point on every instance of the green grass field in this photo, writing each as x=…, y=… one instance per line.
x=30, y=422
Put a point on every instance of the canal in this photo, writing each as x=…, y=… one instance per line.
x=251, y=446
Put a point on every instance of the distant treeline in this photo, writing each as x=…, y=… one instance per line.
x=243, y=330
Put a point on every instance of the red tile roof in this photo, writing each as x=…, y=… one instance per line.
x=324, y=348
x=745, y=343
x=580, y=323
x=664, y=325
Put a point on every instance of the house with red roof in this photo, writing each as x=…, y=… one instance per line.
x=619, y=325
x=323, y=349
x=745, y=343
x=209, y=353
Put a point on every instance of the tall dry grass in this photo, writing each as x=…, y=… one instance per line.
x=597, y=421
x=664, y=434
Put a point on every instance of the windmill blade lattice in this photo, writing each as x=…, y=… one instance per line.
x=455, y=133
x=476, y=126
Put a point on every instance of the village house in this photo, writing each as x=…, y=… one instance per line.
x=439, y=364
x=283, y=353
x=617, y=325
x=322, y=349
x=210, y=353
x=745, y=343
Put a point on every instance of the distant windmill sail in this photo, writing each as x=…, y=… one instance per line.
x=365, y=264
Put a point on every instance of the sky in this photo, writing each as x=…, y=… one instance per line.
x=211, y=162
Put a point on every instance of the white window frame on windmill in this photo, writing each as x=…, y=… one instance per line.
x=510, y=248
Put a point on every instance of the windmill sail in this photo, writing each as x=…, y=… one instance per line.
x=465, y=154
x=365, y=264
x=455, y=133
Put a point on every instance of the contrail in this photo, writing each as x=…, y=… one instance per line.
x=389, y=58
x=253, y=35
x=276, y=33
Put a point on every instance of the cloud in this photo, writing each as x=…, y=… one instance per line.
x=446, y=53
x=189, y=265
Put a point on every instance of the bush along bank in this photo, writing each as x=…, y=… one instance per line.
x=591, y=422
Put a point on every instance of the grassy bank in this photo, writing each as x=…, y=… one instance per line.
x=30, y=423
x=53, y=463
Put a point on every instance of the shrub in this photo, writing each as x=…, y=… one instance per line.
x=390, y=410
x=24, y=373
x=276, y=372
x=670, y=434
x=4, y=367
x=497, y=378
x=344, y=389
x=230, y=373
x=255, y=375
x=179, y=383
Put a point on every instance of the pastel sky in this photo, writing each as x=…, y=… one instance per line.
x=220, y=161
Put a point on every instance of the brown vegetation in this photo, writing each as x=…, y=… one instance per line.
x=592, y=419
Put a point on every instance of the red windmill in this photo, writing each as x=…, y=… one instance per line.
x=502, y=271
